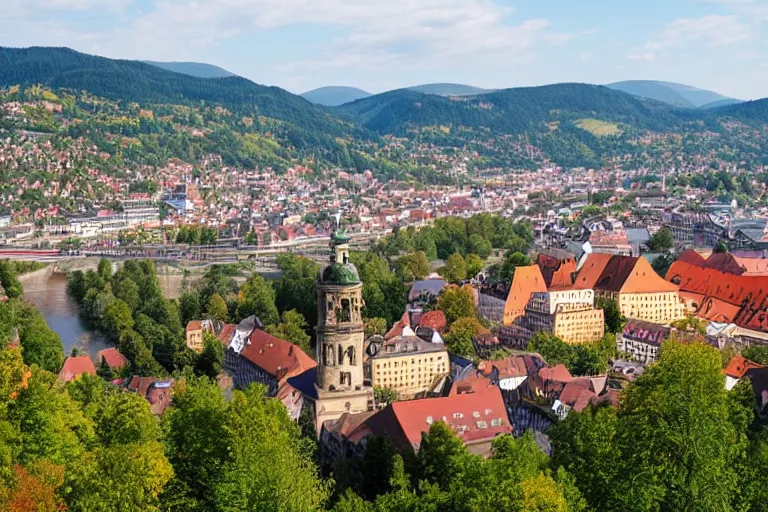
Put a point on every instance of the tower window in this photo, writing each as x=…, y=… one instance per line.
x=346, y=314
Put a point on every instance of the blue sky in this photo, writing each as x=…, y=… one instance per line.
x=720, y=45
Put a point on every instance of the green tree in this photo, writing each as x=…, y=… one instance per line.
x=455, y=269
x=512, y=260
x=475, y=265
x=257, y=297
x=459, y=338
x=412, y=266
x=662, y=240
x=117, y=319
x=480, y=246
x=297, y=287
x=292, y=328
x=442, y=455
x=614, y=320
x=554, y=350
x=128, y=291
x=662, y=469
x=211, y=360
x=268, y=468
x=375, y=326
x=190, y=307
x=720, y=247
x=216, y=308
x=455, y=303
x=9, y=282
x=585, y=445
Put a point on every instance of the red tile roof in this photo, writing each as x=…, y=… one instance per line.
x=474, y=416
x=577, y=396
x=397, y=328
x=739, y=365
x=76, y=366
x=113, y=358
x=194, y=325
x=277, y=357
x=591, y=271
x=557, y=273
x=434, y=320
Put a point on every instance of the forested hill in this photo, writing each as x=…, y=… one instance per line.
x=513, y=111
x=142, y=83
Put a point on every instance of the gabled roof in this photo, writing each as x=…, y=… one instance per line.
x=279, y=358
x=557, y=269
x=75, y=366
x=526, y=281
x=474, y=416
x=739, y=365
x=591, y=271
x=113, y=358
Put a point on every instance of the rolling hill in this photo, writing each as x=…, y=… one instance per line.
x=196, y=69
x=449, y=89
x=510, y=110
x=333, y=96
x=135, y=81
x=678, y=95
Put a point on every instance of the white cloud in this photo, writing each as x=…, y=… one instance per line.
x=370, y=31
x=709, y=31
x=644, y=57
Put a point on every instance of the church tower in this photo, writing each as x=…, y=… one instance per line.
x=340, y=338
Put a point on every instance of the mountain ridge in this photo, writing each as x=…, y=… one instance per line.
x=334, y=95
x=679, y=95
x=196, y=69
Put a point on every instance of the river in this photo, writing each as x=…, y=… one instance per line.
x=48, y=292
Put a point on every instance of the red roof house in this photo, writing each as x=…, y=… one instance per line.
x=112, y=358
x=76, y=366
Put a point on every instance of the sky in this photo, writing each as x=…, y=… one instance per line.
x=720, y=45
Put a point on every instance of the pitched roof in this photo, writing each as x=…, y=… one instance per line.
x=646, y=332
x=739, y=365
x=113, y=358
x=397, y=327
x=577, y=396
x=474, y=416
x=279, y=358
x=435, y=320
x=591, y=271
x=512, y=366
x=557, y=272
x=75, y=366
x=525, y=282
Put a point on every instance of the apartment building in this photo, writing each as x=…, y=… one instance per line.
x=409, y=366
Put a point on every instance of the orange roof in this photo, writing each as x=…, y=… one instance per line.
x=526, y=281
x=727, y=298
x=739, y=365
x=643, y=279
x=279, y=358
x=591, y=271
x=76, y=366
x=558, y=273
x=194, y=325
x=397, y=328
x=113, y=358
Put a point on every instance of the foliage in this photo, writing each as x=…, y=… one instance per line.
x=413, y=266
x=216, y=308
x=460, y=336
x=614, y=320
x=512, y=260
x=375, y=326
x=257, y=297
x=297, y=287
x=662, y=240
x=293, y=328
x=580, y=359
x=662, y=263
x=384, y=293
x=211, y=360
x=457, y=302
x=385, y=395
x=455, y=269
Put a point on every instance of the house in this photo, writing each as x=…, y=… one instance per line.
x=737, y=368
x=477, y=418
x=158, y=392
x=409, y=366
x=195, y=332
x=641, y=341
x=632, y=283
x=255, y=356
x=75, y=366
x=112, y=358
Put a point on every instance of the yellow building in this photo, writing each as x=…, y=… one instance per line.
x=409, y=366
x=195, y=330
x=567, y=313
x=636, y=288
